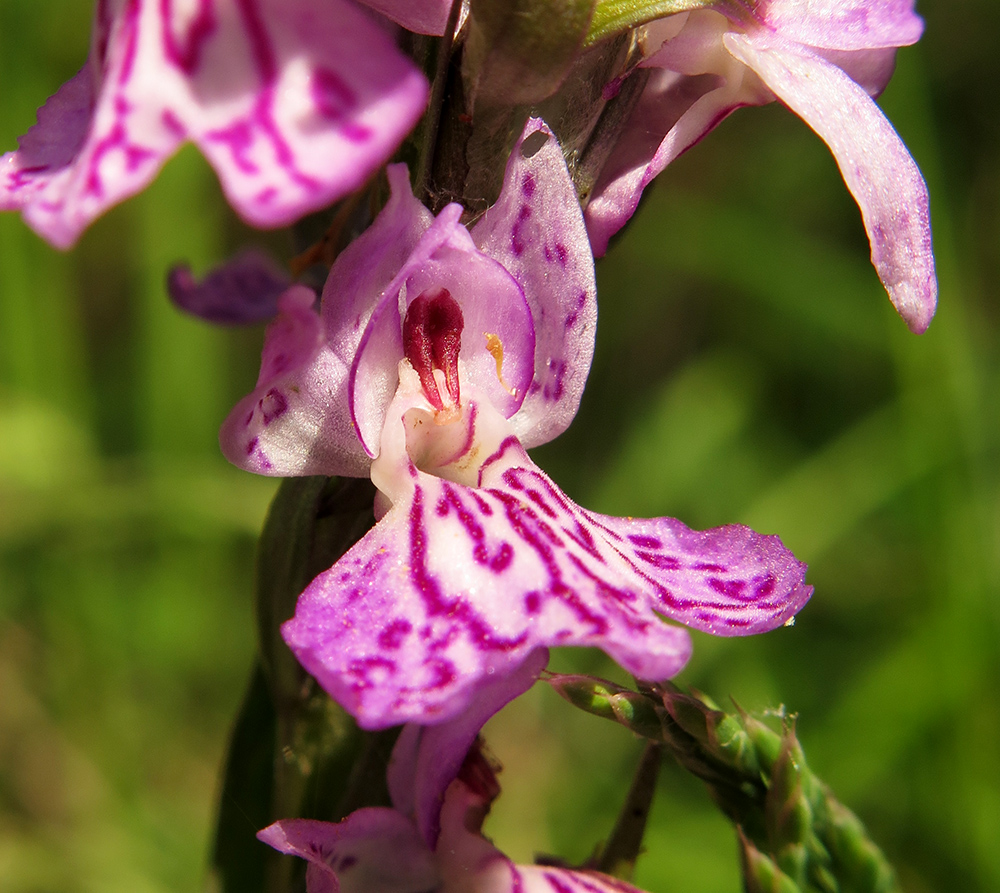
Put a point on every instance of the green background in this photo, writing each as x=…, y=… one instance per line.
x=749, y=368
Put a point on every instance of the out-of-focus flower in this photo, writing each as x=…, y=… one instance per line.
x=294, y=103
x=439, y=356
x=242, y=291
x=824, y=59
x=382, y=850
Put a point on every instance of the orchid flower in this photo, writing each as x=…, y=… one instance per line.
x=824, y=60
x=439, y=355
x=383, y=850
x=294, y=102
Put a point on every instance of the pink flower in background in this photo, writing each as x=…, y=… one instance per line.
x=824, y=59
x=293, y=102
x=438, y=356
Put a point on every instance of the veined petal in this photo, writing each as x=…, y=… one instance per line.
x=297, y=420
x=373, y=850
x=427, y=759
x=241, y=291
x=876, y=166
x=536, y=231
x=842, y=24
x=212, y=72
x=457, y=583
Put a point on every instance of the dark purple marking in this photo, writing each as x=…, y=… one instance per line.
x=130, y=27
x=347, y=863
x=186, y=51
x=273, y=405
x=562, y=253
x=336, y=101
x=661, y=561
x=729, y=588
x=707, y=566
x=517, y=244
x=528, y=185
x=766, y=586
x=555, y=386
x=173, y=124
x=395, y=633
x=532, y=602
x=251, y=445
x=643, y=541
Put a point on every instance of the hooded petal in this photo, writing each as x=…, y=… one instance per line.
x=491, y=302
x=373, y=850
x=875, y=164
x=297, y=420
x=213, y=74
x=241, y=291
x=458, y=583
x=427, y=759
x=536, y=231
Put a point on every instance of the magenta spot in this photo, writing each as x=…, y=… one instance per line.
x=346, y=863
x=336, y=101
x=766, y=586
x=729, y=588
x=393, y=635
x=532, y=602
x=704, y=566
x=663, y=562
x=273, y=405
x=528, y=185
x=517, y=244
x=173, y=124
x=251, y=445
x=643, y=541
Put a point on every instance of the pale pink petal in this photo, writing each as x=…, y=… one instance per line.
x=373, y=849
x=843, y=24
x=536, y=231
x=673, y=114
x=294, y=103
x=427, y=759
x=875, y=165
x=242, y=291
x=297, y=419
x=456, y=584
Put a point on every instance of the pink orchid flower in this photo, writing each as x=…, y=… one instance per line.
x=438, y=356
x=293, y=102
x=824, y=59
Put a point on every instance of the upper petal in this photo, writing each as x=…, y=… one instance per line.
x=875, y=164
x=294, y=103
x=843, y=24
x=457, y=584
x=536, y=231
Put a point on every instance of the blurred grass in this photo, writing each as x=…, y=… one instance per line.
x=749, y=368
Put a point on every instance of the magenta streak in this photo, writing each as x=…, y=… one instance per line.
x=239, y=136
x=508, y=444
x=434, y=599
x=519, y=516
x=582, y=536
x=335, y=100
x=186, y=52
x=499, y=561
x=116, y=139
x=131, y=28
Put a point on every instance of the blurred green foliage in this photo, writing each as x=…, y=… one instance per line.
x=749, y=368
